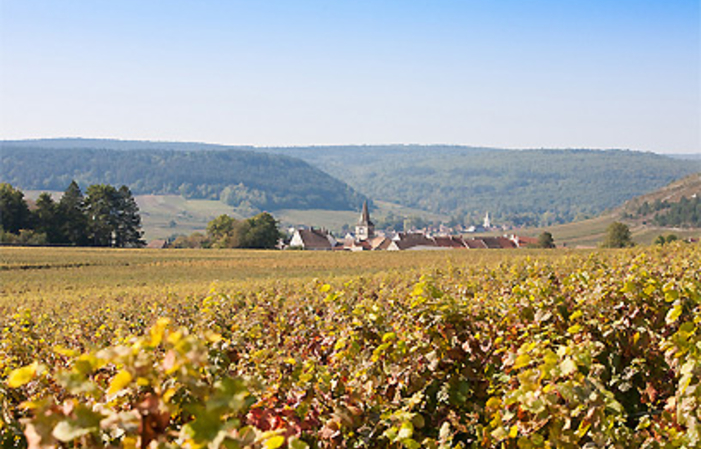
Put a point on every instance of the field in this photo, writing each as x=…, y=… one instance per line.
x=226, y=348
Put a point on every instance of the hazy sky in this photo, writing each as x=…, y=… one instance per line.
x=516, y=74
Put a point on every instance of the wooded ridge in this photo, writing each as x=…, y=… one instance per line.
x=519, y=187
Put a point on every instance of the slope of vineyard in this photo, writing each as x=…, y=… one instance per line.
x=542, y=349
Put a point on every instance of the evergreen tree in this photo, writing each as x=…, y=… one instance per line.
x=14, y=212
x=47, y=219
x=101, y=208
x=71, y=210
x=128, y=231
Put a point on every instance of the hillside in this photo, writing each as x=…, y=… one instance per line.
x=528, y=187
x=519, y=187
x=243, y=179
x=689, y=187
x=643, y=227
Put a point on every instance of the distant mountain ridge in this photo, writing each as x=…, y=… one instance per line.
x=522, y=187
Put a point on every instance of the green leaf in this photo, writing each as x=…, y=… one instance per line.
x=296, y=443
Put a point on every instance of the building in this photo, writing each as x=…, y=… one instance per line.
x=313, y=239
x=365, y=229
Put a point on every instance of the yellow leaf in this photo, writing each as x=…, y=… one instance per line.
x=513, y=433
x=674, y=313
x=522, y=360
x=21, y=376
x=158, y=330
x=574, y=329
x=275, y=442
x=119, y=381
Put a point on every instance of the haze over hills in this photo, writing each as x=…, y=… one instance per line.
x=522, y=187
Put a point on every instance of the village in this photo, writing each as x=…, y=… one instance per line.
x=366, y=238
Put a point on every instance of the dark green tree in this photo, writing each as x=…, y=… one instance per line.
x=113, y=217
x=101, y=208
x=47, y=219
x=545, y=240
x=14, y=212
x=617, y=236
x=127, y=231
x=71, y=210
x=260, y=232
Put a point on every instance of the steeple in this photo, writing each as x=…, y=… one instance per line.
x=365, y=216
x=365, y=228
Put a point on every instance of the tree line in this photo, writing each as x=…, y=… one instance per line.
x=103, y=216
x=259, y=232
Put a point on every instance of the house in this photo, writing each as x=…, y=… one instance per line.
x=522, y=242
x=475, y=244
x=313, y=239
x=380, y=243
x=450, y=242
x=412, y=241
x=157, y=244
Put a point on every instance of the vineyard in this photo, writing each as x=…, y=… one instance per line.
x=527, y=349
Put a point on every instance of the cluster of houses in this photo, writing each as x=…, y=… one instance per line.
x=365, y=239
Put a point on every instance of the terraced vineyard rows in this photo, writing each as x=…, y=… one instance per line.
x=564, y=350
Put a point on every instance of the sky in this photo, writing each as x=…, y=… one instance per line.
x=510, y=74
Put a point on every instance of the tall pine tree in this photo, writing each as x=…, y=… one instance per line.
x=71, y=210
x=128, y=231
x=46, y=218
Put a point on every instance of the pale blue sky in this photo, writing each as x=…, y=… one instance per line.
x=515, y=74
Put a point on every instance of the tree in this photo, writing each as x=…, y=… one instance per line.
x=47, y=219
x=113, y=217
x=661, y=239
x=617, y=236
x=545, y=240
x=223, y=232
x=127, y=231
x=260, y=232
x=101, y=209
x=14, y=212
x=71, y=210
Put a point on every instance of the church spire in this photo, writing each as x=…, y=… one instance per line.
x=365, y=216
x=365, y=228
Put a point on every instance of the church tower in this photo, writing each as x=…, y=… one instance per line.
x=487, y=222
x=365, y=228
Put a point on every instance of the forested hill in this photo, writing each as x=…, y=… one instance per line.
x=533, y=187
x=240, y=178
